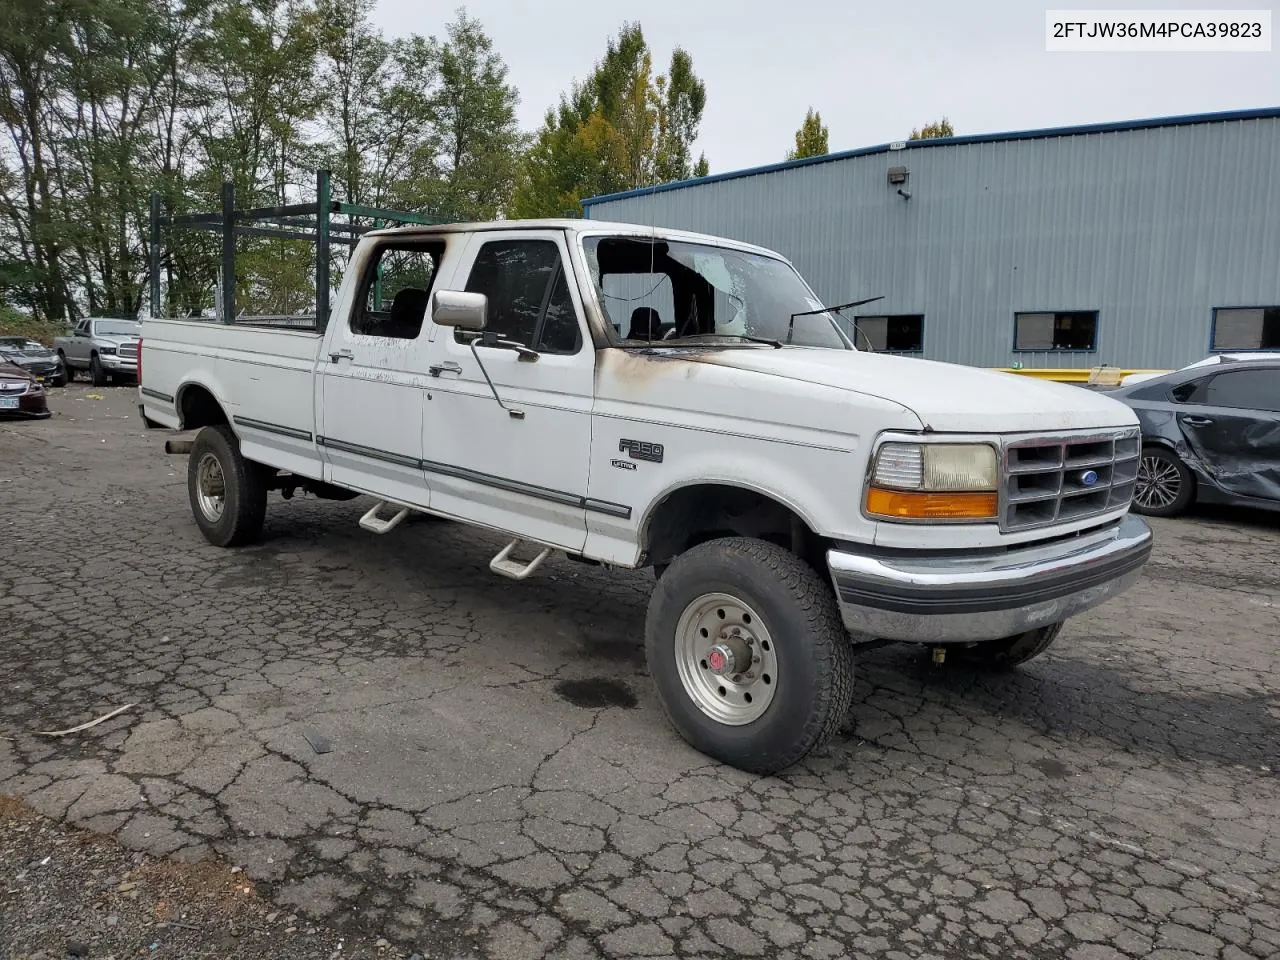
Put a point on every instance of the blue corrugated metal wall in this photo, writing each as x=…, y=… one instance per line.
x=1151, y=227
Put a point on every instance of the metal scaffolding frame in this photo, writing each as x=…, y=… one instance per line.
x=293, y=221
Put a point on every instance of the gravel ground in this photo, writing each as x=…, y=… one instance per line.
x=66, y=892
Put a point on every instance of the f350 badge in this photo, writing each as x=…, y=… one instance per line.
x=641, y=450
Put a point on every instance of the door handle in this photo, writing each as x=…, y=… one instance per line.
x=340, y=355
x=448, y=366
x=1197, y=421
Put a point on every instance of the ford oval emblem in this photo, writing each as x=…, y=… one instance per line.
x=1089, y=478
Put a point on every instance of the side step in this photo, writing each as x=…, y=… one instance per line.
x=375, y=524
x=516, y=569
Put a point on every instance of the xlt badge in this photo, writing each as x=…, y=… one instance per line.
x=641, y=450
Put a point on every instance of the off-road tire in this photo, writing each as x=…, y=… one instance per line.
x=97, y=375
x=815, y=657
x=1186, y=484
x=68, y=371
x=1008, y=652
x=245, y=497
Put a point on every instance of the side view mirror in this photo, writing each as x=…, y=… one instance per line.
x=456, y=308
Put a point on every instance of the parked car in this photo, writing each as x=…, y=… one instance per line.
x=795, y=497
x=21, y=393
x=1210, y=434
x=106, y=349
x=34, y=357
x=1134, y=378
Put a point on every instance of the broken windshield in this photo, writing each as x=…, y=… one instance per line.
x=672, y=291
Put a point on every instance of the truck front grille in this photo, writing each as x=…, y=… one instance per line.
x=129, y=351
x=1049, y=480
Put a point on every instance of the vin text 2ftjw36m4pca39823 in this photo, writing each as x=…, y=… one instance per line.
x=624, y=395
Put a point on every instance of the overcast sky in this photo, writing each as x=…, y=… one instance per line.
x=873, y=70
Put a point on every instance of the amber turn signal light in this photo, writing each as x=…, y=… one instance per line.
x=916, y=505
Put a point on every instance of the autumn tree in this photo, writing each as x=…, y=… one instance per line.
x=621, y=128
x=930, y=131
x=811, y=138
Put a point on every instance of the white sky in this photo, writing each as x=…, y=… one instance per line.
x=873, y=70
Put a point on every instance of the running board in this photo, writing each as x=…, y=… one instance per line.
x=375, y=524
x=516, y=569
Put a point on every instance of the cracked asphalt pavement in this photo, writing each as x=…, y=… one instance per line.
x=500, y=781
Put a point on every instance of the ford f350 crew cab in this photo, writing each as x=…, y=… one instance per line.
x=641, y=397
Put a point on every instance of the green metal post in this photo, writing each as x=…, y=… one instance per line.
x=155, y=254
x=377, y=277
x=228, y=252
x=322, y=250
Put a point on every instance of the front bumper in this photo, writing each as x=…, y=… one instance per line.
x=118, y=364
x=944, y=598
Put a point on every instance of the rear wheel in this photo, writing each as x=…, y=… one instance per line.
x=1011, y=651
x=1165, y=487
x=228, y=493
x=751, y=662
x=68, y=371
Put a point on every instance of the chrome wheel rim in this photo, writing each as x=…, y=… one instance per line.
x=726, y=658
x=1159, y=483
x=211, y=487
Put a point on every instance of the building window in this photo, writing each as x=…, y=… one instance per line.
x=1065, y=330
x=1246, y=328
x=901, y=333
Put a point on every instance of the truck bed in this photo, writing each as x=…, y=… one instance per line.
x=266, y=371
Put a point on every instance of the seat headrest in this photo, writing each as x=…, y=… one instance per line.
x=646, y=324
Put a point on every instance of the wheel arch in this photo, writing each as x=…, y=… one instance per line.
x=695, y=512
x=198, y=406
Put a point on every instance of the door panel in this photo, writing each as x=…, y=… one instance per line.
x=372, y=376
x=521, y=469
x=1232, y=423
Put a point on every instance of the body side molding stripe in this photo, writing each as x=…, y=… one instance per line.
x=265, y=427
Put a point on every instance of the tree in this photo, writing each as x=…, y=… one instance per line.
x=931, y=131
x=811, y=138
x=476, y=142
x=619, y=129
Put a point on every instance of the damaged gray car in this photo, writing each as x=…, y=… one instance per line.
x=1210, y=434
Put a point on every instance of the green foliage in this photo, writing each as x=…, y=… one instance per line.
x=811, y=138
x=619, y=129
x=14, y=323
x=930, y=131
x=104, y=101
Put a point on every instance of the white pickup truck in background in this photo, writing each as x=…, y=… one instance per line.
x=651, y=398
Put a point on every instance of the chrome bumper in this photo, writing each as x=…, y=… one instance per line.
x=949, y=599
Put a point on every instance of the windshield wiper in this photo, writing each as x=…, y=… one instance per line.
x=741, y=336
x=836, y=309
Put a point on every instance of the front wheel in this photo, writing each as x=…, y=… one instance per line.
x=97, y=375
x=228, y=493
x=1165, y=487
x=1011, y=651
x=751, y=662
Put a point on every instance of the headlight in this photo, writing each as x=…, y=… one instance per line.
x=107, y=350
x=934, y=481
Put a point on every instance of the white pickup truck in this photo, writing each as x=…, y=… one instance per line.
x=641, y=397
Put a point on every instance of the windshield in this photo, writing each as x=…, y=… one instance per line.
x=670, y=290
x=117, y=328
x=18, y=343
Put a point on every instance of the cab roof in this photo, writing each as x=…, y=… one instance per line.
x=577, y=227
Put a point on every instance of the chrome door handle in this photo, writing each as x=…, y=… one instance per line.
x=1197, y=421
x=340, y=355
x=448, y=366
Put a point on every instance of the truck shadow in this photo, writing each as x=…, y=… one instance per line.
x=901, y=697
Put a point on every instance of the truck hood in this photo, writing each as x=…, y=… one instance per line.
x=947, y=397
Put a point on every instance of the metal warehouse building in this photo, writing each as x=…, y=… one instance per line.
x=1141, y=244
